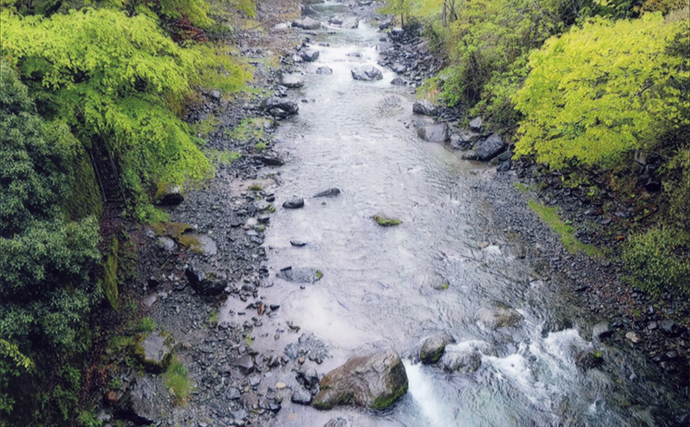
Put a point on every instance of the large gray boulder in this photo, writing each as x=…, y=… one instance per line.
x=154, y=351
x=309, y=55
x=279, y=107
x=293, y=81
x=367, y=73
x=141, y=402
x=306, y=24
x=350, y=23
x=490, y=147
x=437, y=132
x=375, y=381
x=168, y=195
x=207, y=284
x=462, y=361
x=424, y=107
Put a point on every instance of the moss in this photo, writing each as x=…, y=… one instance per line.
x=433, y=358
x=261, y=228
x=190, y=241
x=207, y=125
x=445, y=286
x=138, y=352
x=110, y=267
x=386, y=221
x=85, y=195
x=384, y=402
x=255, y=187
x=145, y=324
x=550, y=216
x=271, y=208
x=223, y=157
x=521, y=187
x=249, y=129
x=319, y=274
x=177, y=380
x=213, y=318
x=260, y=146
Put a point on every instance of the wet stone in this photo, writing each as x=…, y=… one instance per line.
x=301, y=396
x=295, y=203
x=300, y=275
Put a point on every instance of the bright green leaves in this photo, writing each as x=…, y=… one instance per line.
x=117, y=80
x=599, y=91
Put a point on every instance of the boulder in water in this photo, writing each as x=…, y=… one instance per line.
x=294, y=203
x=367, y=73
x=324, y=70
x=398, y=82
x=309, y=56
x=461, y=360
x=350, y=23
x=498, y=316
x=490, y=147
x=278, y=107
x=375, y=381
x=331, y=192
x=433, y=347
x=306, y=24
x=293, y=81
x=434, y=133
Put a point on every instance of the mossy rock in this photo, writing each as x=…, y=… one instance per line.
x=154, y=350
x=385, y=221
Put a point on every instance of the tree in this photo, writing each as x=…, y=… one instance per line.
x=600, y=91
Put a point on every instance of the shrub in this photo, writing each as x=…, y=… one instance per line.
x=658, y=261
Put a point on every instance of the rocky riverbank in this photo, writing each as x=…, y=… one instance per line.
x=212, y=248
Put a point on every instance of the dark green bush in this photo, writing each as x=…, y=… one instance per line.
x=658, y=261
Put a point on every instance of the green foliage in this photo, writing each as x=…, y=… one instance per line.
x=45, y=260
x=551, y=217
x=177, y=380
x=110, y=267
x=659, y=261
x=118, y=81
x=600, y=91
x=249, y=129
x=88, y=418
x=145, y=324
x=384, y=221
x=223, y=157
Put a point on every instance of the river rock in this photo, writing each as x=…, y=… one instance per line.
x=633, y=337
x=290, y=80
x=433, y=347
x=433, y=133
x=424, y=107
x=199, y=243
x=278, y=107
x=670, y=328
x=141, y=402
x=376, y=381
x=331, y=192
x=308, y=377
x=154, y=351
x=476, y=124
x=270, y=160
x=306, y=24
x=168, y=195
x=461, y=360
x=350, y=23
x=205, y=284
x=337, y=422
x=367, y=73
x=245, y=364
x=398, y=82
x=498, y=317
x=294, y=203
x=490, y=148
x=300, y=275
x=298, y=243
x=602, y=330
x=309, y=56
x=301, y=396
x=324, y=70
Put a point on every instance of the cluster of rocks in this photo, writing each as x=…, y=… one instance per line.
x=408, y=55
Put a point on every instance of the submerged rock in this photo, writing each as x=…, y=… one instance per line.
x=324, y=70
x=434, y=133
x=375, y=381
x=300, y=275
x=367, y=73
x=498, y=317
x=279, y=107
x=464, y=360
x=490, y=147
x=306, y=24
x=294, y=203
x=398, y=82
x=331, y=192
x=337, y=422
x=270, y=160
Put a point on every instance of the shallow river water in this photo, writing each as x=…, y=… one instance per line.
x=436, y=271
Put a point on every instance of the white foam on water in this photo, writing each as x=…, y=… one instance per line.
x=422, y=389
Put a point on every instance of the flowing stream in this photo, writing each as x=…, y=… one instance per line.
x=436, y=271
